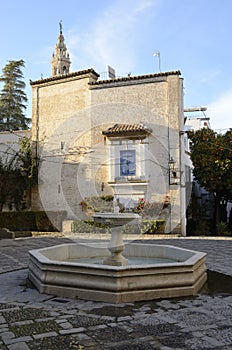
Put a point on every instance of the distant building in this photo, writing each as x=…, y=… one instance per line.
x=60, y=60
x=202, y=201
x=195, y=118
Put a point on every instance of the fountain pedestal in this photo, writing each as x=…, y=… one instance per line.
x=116, y=246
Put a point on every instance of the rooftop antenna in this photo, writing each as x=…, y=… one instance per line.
x=111, y=72
x=157, y=54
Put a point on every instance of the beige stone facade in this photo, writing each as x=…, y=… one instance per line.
x=69, y=114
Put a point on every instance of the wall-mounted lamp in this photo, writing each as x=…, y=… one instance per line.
x=173, y=178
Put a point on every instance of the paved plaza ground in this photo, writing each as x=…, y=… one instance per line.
x=29, y=320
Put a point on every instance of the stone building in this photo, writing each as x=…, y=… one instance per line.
x=117, y=136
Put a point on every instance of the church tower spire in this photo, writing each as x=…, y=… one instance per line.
x=60, y=60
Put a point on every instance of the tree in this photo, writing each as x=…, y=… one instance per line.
x=13, y=99
x=211, y=155
x=18, y=173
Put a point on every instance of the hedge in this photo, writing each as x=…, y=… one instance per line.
x=145, y=227
x=89, y=226
x=152, y=226
x=31, y=220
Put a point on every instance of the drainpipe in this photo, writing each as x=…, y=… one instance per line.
x=37, y=126
x=182, y=169
x=182, y=187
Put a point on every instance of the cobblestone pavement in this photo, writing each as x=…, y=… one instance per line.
x=33, y=321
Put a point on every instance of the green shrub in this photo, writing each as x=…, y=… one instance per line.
x=132, y=228
x=31, y=220
x=18, y=220
x=223, y=229
x=146, y=227
x=89, y=226
x=96, y=204
x=152, y=226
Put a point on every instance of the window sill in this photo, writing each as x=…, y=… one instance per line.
x=126, y=182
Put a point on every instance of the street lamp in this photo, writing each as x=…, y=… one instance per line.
x=173, y=178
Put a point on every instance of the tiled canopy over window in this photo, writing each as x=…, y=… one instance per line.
x=127, y=130
x=127, y=151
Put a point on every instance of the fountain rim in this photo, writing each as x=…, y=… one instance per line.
x=188, y=263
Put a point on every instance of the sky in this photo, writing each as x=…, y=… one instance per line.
x=191, y=36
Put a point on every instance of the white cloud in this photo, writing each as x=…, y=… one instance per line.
x=112, y=38
x=209, y=76
x=143, y=5
x=42, y=55
x=220, y=112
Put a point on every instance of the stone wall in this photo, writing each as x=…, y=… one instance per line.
x=69, y=115
x=55, y=101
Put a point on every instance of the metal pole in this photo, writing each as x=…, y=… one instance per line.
x=158, y=55
x=159, y=62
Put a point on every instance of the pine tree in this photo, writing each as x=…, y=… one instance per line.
x=13, y=99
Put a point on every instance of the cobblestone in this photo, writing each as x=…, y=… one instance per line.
x=44, y=335
x=66, y=325
x=17, y=340
x=2, y=320
x=33, y=321
x=18, y=346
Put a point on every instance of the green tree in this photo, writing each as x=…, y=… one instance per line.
x=18, y=173
x=13, y=99
x=211, y=155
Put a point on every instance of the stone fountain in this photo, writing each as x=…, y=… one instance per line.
x=117, y=273
x=116, y=221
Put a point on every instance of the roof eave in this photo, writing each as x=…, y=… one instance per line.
x=138, y=77
x=65, y=76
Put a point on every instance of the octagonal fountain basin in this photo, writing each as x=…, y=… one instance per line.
x=154, y=271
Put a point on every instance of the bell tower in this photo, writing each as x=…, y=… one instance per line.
x=60, y=60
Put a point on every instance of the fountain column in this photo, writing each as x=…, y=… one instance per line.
x=116, y=246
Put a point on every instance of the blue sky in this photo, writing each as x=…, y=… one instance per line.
x=192, y=36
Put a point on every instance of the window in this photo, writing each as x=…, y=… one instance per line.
x=127, y=163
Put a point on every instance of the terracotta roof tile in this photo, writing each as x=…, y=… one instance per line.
x=139, y=77
x=69, y=75
x=107, y=81
x=127, y=129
